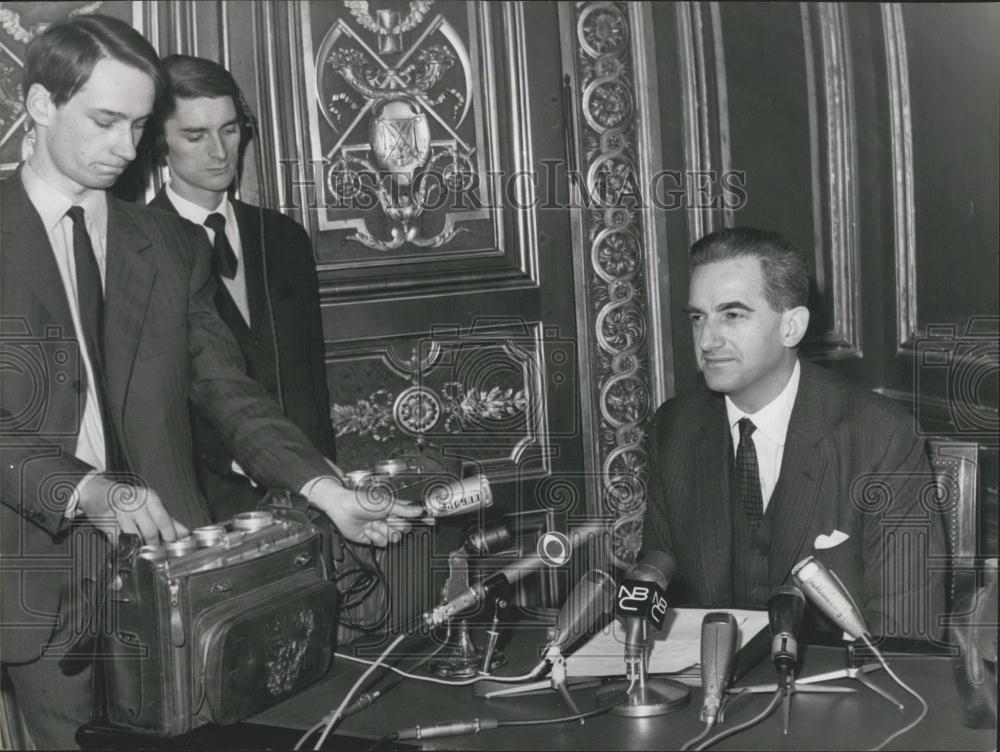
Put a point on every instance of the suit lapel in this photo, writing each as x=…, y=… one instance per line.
x=803, y=465
x=714, y=460
x=129, y=282
x=27, y=251
x=248, y=223
x=224, y=303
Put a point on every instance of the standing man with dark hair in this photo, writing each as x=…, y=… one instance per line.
x=267, y=294
x=108, y=328
x=776, y=459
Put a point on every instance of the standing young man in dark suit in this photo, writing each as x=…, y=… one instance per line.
x=108, y=329
x=775, y=459
x=273, y=311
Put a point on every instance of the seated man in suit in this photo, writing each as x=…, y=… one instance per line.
x=107, y=329
x=776, y=459
x=273, y=311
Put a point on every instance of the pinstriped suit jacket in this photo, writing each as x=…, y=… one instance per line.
x=853, y=462
x=165, y=344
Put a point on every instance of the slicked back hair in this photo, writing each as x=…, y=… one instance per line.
x=784, y=270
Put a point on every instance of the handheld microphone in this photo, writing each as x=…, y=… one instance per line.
x=718, y=651
x=507, y=576
x=460, y=496
x=827, y=593
x=591, y=599
x=784, y=614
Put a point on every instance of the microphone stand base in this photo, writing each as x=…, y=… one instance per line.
x=655, y=697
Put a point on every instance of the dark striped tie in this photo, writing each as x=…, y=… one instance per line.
x=748, y=476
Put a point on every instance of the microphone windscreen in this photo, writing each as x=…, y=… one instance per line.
x=654, y=566
x=828, y=595
x=591, y=599
x=718, y=651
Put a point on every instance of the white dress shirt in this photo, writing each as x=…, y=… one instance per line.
x=237, y=286
x=52, y=206
x=769, y=438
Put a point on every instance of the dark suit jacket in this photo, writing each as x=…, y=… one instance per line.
x=293, y=289
x=165, y=345
x=852, y=462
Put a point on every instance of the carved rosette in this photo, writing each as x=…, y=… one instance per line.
x=615, y=275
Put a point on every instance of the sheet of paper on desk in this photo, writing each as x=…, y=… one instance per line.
x=675, y=649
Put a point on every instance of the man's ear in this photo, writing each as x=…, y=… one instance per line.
x=38, y=105
x=794, y=323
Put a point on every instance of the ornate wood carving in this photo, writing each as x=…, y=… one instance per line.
x=612, y=284
x=477, y=393
x=403, y=135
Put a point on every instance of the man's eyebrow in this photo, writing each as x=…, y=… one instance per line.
x=689, y=309
x=110, y=113
x=197, y=129
x=733, y=305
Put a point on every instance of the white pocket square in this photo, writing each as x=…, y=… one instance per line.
x=829, y=541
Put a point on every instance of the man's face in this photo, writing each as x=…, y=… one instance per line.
x=743, y=346
x=90, y=140
x=203, y=142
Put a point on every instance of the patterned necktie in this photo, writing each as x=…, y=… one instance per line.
x=224, y=261
x=90, y=294
x=748, y=476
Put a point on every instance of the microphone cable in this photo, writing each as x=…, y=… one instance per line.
x=369, y=578
x=901, y=683
x=709, y=725
x=477, y=725
x=771, y=707
x=338, y=713
x=452, y=682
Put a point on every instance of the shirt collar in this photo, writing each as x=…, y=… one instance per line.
x=772, y=419
x=195, y=213
x=52, y=204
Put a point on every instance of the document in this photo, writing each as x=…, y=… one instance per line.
x=675, y=649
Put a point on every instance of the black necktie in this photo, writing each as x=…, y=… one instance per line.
x=224, y=261
x=90, y=297
x=748, y=476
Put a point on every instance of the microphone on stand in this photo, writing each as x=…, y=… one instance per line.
x=506, y=576
x=495, y=536
x=642, y=601
x=827, y=593
x=718, y=651
x=641, y=598
x=784, y=614
x=591, y=599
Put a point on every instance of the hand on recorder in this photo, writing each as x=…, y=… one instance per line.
x=363, y=516
x=114, y=507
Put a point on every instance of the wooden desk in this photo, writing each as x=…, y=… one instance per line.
x=819, y=722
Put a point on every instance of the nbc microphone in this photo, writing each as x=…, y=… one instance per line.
x=827, y=593
x=784, y=614
x=642, y=597
x=718, y=650
x=642, y=601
